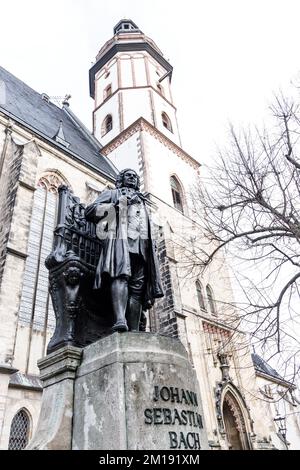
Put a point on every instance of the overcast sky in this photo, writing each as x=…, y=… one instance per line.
x=229, y=56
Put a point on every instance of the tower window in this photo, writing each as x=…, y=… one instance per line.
x=176, y=194
x=200, y=295
x=161, y=91
x=107, y=92
x=166, y=122
x=210, y=299
x=124, y=27
x=107, y=125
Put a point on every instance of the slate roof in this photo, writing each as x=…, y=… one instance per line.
x=260, y=365
x=26, y=106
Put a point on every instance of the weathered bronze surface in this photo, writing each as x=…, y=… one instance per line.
x=103, y=269
x=127, y=258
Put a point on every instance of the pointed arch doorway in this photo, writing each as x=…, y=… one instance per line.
x=234, y=424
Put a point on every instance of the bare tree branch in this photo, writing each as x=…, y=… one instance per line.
x=249, y=213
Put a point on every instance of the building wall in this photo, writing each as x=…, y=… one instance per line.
x=162, y=162
x=126, y=155
x=23, y=341
x=105, y=77
x=11, y=157
x=17, y=228
x=155, y=73
x=202, y=347
x=203, y=333
x=277, y=401
x=18, y=398
x=26, y=313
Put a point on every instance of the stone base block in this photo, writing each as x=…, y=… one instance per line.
x=57, y=373
x=137, y=391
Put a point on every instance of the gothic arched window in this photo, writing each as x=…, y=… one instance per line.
x=107, y=125
x=176, y=194
x=51, y=181
x=200, y=295
x=210, y=299
x=19, y=431
x=166, y=122
x=36, y=311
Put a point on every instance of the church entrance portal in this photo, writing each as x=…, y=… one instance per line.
x=234, y=424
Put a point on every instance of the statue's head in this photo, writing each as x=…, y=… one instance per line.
x=128, y=178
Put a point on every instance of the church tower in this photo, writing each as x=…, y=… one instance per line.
x=131, y=79
x=134, y=117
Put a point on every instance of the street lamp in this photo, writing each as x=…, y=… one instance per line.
x=280, y=422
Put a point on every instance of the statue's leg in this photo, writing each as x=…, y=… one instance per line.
x=133, y=315
x=136, y=288
x=119, y=293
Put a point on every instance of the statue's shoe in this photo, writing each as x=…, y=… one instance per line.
x=120, y=326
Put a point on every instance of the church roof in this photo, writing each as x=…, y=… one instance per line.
x=261, y=366
x=35, y=112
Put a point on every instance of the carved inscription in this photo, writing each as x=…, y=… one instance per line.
x=183, y=414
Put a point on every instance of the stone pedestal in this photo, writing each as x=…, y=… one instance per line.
x=57, y=373
x=126, y=391
x=137, y=391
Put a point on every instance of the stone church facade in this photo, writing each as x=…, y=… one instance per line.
x=134, y=125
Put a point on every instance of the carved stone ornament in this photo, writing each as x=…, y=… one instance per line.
x=224, y=365
x=226, y=391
